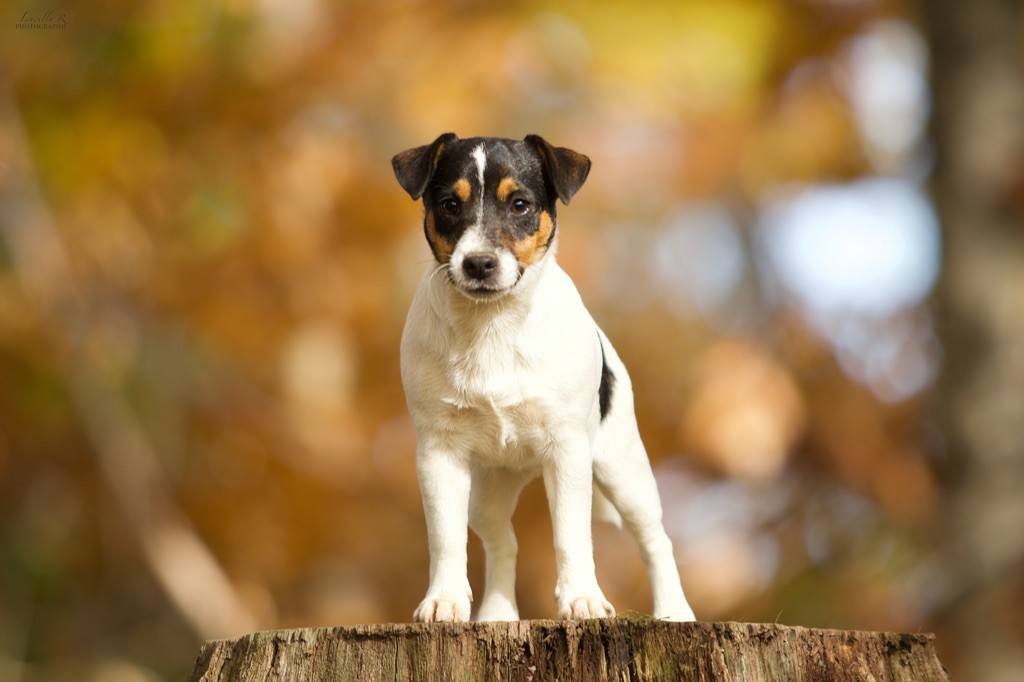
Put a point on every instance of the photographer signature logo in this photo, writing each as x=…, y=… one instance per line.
x=49, y=20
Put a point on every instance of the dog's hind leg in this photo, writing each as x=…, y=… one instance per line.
x=493, y=496
x=624, y=475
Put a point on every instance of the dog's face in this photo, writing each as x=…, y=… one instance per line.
x=489, y=204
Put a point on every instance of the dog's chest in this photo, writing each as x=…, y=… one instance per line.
x=510, y=384
x=505, y=435
x=497, y=404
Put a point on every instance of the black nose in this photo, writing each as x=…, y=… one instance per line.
x=479, y=265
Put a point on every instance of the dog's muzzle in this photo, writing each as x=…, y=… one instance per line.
x=482, y=275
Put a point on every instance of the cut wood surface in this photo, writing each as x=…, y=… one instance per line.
x=612, y=649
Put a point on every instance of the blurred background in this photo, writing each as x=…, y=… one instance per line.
x=804, y=232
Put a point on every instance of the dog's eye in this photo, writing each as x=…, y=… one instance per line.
x=520, y=206
x=450, y=207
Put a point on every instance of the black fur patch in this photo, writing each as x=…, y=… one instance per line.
x=604, y=392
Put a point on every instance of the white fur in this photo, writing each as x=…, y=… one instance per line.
x=502, y=391
x=481, y=164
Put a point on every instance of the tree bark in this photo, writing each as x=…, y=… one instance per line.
x=612, y=649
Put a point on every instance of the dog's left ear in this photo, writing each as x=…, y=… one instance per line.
x=567, y=170
x=415, y=166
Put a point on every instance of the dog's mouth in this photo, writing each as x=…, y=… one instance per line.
x=482, y=291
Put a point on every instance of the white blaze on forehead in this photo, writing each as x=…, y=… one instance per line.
x=481, y=164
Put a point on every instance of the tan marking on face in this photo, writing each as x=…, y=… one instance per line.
x=441, y=247
x=530, y=250
x=505, y=188
x=463, y=190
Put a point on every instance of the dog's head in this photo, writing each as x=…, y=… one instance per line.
x=489, y=204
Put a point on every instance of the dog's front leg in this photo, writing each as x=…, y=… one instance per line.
x=445, y=483
x=568, y=480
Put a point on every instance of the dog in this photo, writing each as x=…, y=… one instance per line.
x=507, y=377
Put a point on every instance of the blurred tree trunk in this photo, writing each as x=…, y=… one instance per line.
x=978, y=84
x=614, y=649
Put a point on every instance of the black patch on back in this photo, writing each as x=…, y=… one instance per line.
x=604, y=392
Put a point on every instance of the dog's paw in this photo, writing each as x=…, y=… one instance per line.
x=587, y=606
x=497, y=610
x=442, y=609
x=681, y=615
x=670, y=603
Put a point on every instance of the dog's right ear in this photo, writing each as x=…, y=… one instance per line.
x=415, y=166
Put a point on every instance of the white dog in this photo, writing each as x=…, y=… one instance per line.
x=507, y=377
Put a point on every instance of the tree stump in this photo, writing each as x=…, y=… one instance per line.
x=610, y=649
